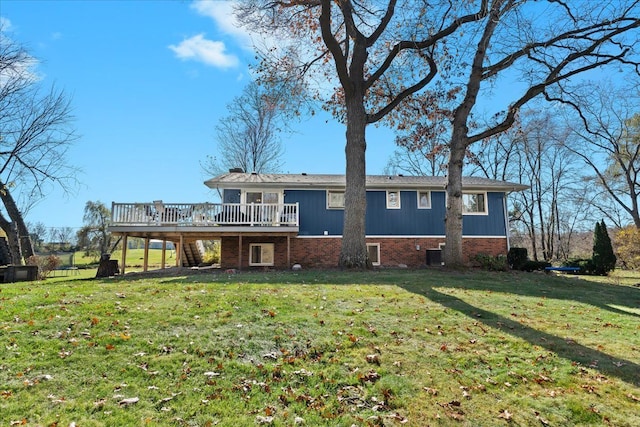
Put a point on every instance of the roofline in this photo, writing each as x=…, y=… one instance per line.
x=338, y=182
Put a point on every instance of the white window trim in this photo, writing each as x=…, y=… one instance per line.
x=334, y=207
x=428, y=199
x=389, y=192
x=486, y=203
x=377, y=245
x=261, y=264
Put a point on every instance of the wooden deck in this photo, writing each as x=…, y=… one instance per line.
x=184, y=223
x=200, y=215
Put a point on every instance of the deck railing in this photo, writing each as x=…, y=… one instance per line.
x=205, y=214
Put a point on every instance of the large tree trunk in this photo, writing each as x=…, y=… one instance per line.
x=453, y=256
x=25, y=245
x=12, y=240
x=353, y=252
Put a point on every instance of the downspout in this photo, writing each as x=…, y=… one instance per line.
x=506, y=220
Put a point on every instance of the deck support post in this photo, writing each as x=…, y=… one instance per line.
x=145, y=261
x=179, y=257
x=164, y=253
x=240, y=252
x=124, y=254
x=288, y=250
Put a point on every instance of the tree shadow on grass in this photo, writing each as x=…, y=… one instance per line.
x=568, y=349
x=614, y=298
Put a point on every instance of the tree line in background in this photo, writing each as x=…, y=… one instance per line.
x=93, y=237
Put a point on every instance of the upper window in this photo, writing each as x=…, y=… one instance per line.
x=261, y=254
x=424, y=200
x=474, y=203
x=393, y=200
x=335, y=199
x=261, y=197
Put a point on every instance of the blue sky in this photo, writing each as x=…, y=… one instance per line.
x=149, y=81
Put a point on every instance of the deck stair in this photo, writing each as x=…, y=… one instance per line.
x=192, y=253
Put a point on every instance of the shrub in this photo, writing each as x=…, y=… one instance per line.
x=46, y=264
x=604, y=260
x=212, y=255
x=517, y=257
x=585, y=264
x=534, y=265
x=492, y=263
x=628, y=245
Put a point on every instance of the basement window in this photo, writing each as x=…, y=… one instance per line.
x=373, y=251
x=261, y=254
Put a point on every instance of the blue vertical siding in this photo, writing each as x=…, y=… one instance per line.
x=315, y=218
x=408, y=220
x=487, y=225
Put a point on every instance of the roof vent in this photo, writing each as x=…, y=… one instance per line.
x=304, y=174
x=236, y=170
x=254, y=173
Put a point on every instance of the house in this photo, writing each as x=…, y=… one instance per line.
x=277, y=220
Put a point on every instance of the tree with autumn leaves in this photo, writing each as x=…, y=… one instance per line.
x=372, y=61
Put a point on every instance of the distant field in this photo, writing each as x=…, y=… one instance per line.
x=321, y=348
x=135, y=258
x=87, y=266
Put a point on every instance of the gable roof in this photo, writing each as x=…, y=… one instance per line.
x=236, y=180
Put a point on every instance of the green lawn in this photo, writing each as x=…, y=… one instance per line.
x=394, y=347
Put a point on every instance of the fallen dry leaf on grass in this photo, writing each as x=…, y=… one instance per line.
x=506, y=415
x=431, y=391
x=373, y=358
x=128, y=401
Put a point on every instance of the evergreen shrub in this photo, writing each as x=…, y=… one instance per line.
x=604, y=260
x=517, y=257
x=492, y=263
x=534, y=265
x=585, y=264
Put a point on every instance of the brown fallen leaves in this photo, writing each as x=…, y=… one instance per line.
x=128, y=401
x=505, y=415
x=453, y=410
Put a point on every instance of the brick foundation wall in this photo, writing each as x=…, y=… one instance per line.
x=324, y=252
x=229, y=251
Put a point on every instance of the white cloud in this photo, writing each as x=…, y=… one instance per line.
x=210, y=52
x=5, y=24
x=223, y=15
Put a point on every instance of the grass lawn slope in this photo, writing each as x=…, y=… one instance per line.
x=333, y=348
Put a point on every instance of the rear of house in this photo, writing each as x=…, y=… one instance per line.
x=404, y=219
x=278, y=220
